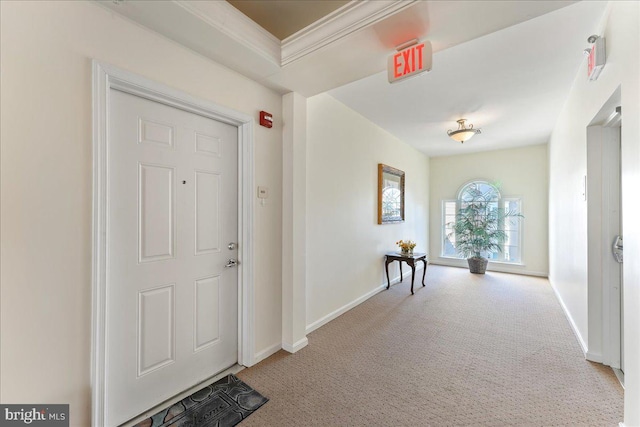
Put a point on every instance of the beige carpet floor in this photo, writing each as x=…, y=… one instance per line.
x=493, y=350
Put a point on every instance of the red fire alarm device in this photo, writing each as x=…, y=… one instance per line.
x=266, y=119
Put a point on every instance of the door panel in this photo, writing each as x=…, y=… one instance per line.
x=172, y=318
x=156, y=133
x=156, y=336
x=156, y=217
x=207, y=301
x=208, y=145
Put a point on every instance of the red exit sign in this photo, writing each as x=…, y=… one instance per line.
x=409, y=62
x=597, y=59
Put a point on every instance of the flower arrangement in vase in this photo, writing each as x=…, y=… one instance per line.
x=406, y=246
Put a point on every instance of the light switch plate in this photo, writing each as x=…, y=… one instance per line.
x=263, y=192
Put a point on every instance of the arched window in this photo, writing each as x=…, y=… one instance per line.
x=511, y=248
x=391, y=203
x=468, y=190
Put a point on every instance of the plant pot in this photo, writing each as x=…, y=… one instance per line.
x=477, y=265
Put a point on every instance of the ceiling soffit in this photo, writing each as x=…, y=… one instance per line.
x=221, y=32
x=236, y=25
x=283, y=18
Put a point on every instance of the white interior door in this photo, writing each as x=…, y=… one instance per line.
x=172, y=301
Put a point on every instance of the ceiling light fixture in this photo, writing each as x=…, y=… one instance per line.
x=463, y=133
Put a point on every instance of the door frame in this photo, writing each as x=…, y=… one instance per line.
x=105, y=78
x=605, y=312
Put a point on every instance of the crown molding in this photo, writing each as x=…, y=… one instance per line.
x=230, y=21
x=348, y=19
x=222, y=33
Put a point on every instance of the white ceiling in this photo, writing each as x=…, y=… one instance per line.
x=511, y=83
x=507, y=66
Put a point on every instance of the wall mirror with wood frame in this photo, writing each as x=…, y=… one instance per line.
x=390, y=194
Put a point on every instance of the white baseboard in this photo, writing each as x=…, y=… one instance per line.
x=594, y=357
x=273, y=349
x=619, y=376
x=263, y=354
x=492, y=266
x=329, y=317
x=334, y=314
x=567, y=314
x=295, y=347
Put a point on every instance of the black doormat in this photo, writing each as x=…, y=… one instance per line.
x=222, y=404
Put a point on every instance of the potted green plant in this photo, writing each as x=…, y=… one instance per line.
x=479, y=227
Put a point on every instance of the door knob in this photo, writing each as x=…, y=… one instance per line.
x=231, y=263
x=231, y=246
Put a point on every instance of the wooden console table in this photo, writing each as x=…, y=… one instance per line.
x=409, y=259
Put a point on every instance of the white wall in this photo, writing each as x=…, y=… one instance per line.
x=345, y=244
x=294, y=222
x=521, y=172
x=46, y=171
x=568, y=210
